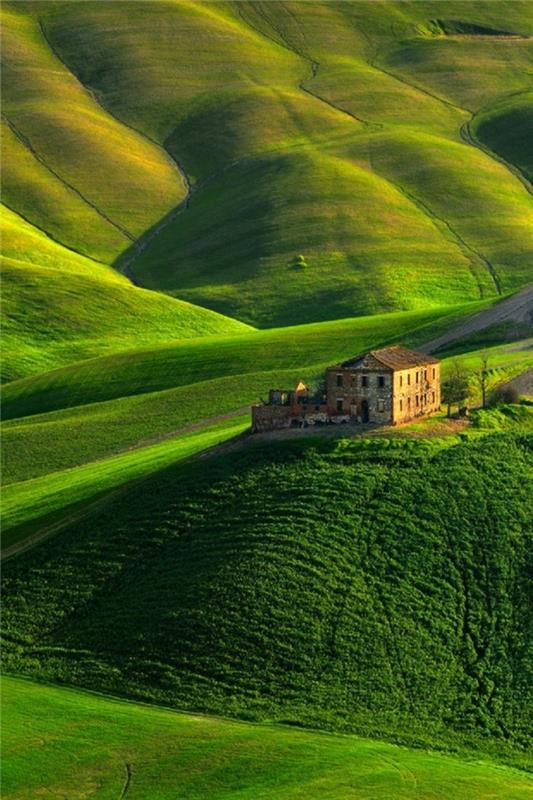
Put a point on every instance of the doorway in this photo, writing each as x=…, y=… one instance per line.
x=364, y=411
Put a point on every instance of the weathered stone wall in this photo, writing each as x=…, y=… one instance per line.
x=366, y=390
x=269, y=418
x=274, y=417
x=390, y=397
x=416, y=392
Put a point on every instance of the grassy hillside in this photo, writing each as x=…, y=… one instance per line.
x=306, y=348
x=43, y=443
x=33, y=507
x=73, y=169
x=59, y=307
x=507, y=129
x=205, y=170
x=337, y=584
x=177, y=755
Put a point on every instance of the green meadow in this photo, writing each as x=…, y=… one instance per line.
x=373, y=586
x=60, y=307
x=33, y=505
x=159, y=754
x=203, y=201
x=293, y=133
x=182, y=363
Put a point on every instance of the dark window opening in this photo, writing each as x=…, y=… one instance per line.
x=401, y=405
x=417, y=376
x=433, y=373
x=364, y=381
x=339, y=380
x=401, y=380
x=340, y=405
x=408, y=378
x=417, y=400
x=381, y=381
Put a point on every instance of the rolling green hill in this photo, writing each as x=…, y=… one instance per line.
x=348, y=585
x=155, y=753
x=204, y=170
x=306, y=348
x=202, y=200
x=60, y=307
x=59, y=465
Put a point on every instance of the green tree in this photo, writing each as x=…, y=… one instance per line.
x=455, y=388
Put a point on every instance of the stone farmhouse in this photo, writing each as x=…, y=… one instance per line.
x=382, y=387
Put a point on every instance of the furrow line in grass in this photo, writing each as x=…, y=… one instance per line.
x=468, y=137
x=372, y=62
x=139, y=246
x=23, y=139
x=465, y=130
x=51, y=237
x=127, y=781
x=313, y=63
x=470, y=252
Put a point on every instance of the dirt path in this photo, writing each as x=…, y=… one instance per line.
x=193, y=426
x=516, y=309
x=522, y=383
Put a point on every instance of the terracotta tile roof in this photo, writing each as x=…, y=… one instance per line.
x=396, y=358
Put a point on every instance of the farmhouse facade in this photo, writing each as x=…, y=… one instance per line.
x=382, y=387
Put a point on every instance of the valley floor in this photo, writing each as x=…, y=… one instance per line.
x=65, y=743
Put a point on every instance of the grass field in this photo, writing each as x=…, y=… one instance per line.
x=172, y=755
x=202, y=201
x=60, y=307
x=187, y=362
x=205, y=172
x=57, y=440
x=30, y=506
x=333, y=583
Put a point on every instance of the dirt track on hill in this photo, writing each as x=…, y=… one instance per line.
x=517, y=309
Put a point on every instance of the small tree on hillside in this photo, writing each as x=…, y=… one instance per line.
x=456, y=387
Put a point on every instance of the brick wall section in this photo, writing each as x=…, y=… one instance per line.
x=387, y=396
x=270, y=418
x=273, y=417
x=379, y=390
x=416, y=392
x=366, y=390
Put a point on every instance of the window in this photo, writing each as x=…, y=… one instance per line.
x=425, y=374
x=381, y=405
x=417, y=376
x=340, y=404
x=339, y=380
x=408, y=402
x=401, y=405
x=381, y=381
x=417, y=400
x=364, y=381
x=408, y=378
x=401, y=380
x=433, y=373
x=433, y=397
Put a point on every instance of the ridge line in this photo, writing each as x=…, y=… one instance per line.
x=24, y=140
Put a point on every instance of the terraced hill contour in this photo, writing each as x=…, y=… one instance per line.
x=346, y=585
